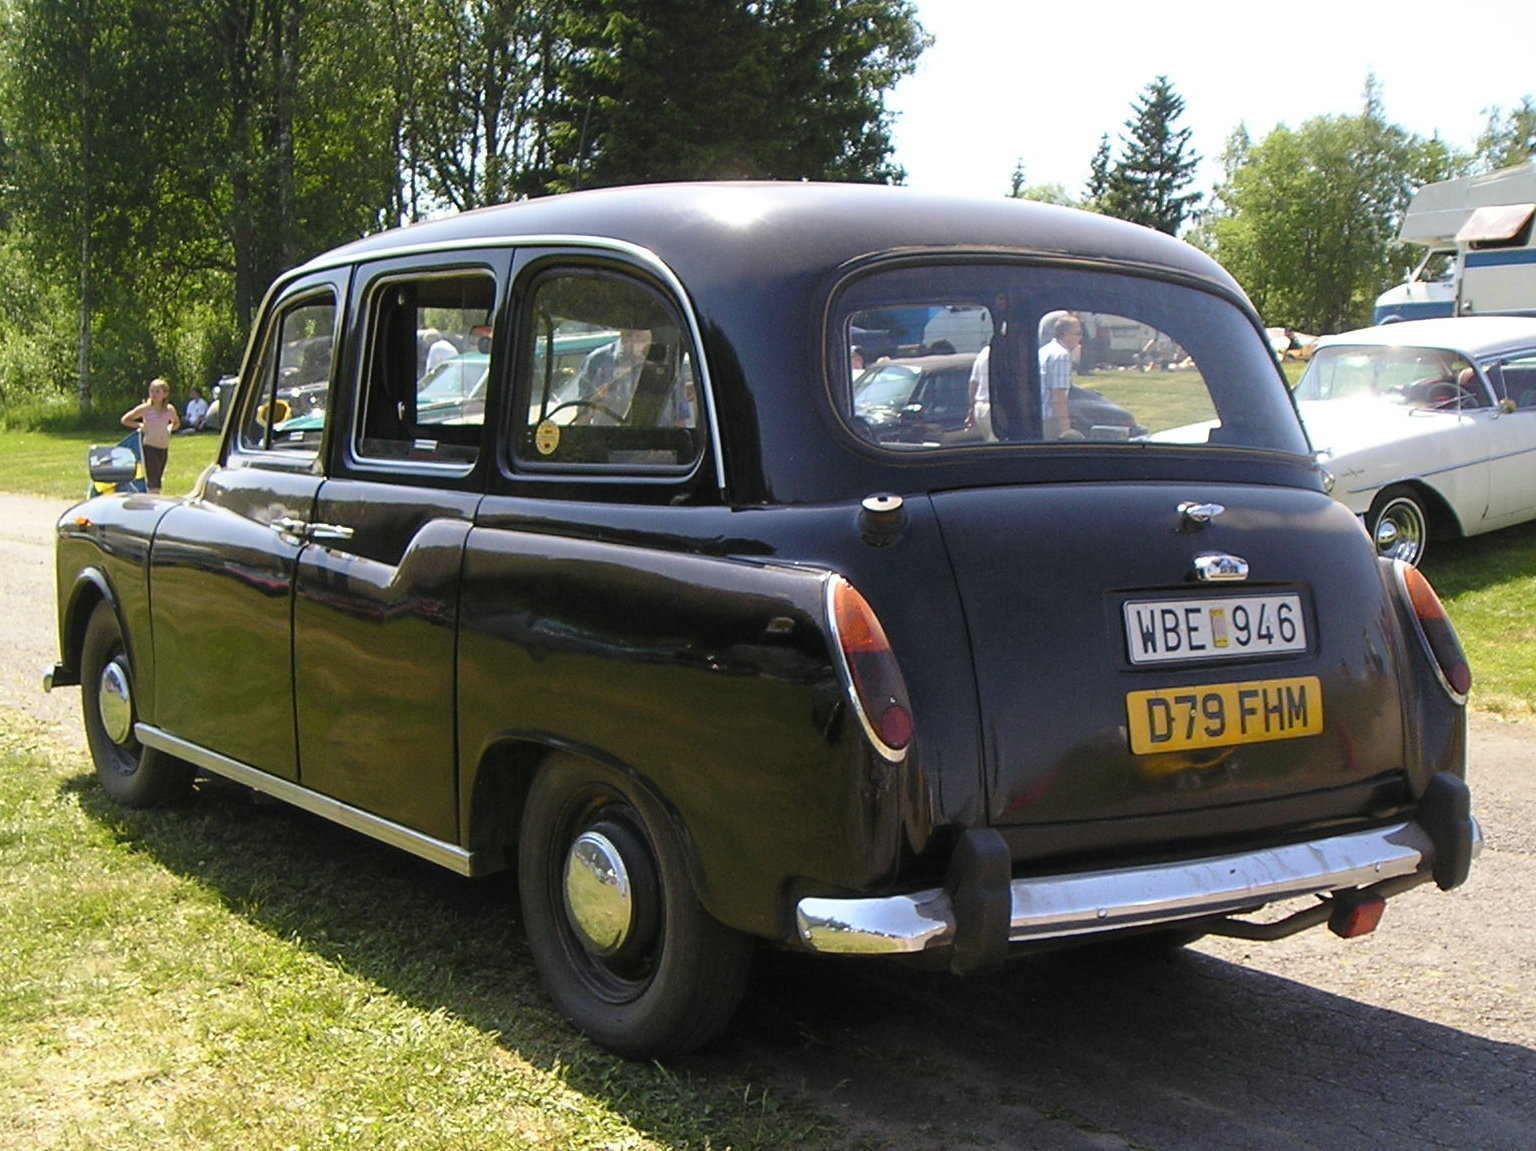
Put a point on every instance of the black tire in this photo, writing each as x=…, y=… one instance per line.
x=1399, y=525
x=649, y=975
x=130, y=773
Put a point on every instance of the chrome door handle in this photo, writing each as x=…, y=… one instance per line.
x=289, y=526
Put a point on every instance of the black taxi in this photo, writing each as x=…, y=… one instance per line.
x=647, y=609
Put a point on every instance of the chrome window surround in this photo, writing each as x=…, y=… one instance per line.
x=642, y=256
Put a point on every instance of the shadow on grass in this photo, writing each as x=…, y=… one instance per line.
x=1090, y=1048
x=1455, y=567
x=436, y=940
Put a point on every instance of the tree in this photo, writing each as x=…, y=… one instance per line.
x=1507, y=140
x=82, y=174
x=1019, y=189
x=482, y=117
x=1099, y=173
x=1307, y=216
x=164, y=160
x=780, y=89
x=170, y=157
x=1146, y=185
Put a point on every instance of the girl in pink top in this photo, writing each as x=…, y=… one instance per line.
x=155, y=419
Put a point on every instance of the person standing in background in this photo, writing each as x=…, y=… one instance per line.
x=155, y=420
x=1056, y=375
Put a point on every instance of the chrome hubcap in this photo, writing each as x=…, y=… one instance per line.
x=1400, y=533
x=599, y=895
x=114, y=701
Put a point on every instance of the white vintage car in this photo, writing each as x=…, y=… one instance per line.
x=1428, y=426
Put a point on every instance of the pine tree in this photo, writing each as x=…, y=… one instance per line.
x=1146, y=185
x=1098, y=175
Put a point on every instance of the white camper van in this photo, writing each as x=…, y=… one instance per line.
x=1479, y=257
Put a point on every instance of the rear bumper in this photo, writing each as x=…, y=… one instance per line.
x=1438, y=845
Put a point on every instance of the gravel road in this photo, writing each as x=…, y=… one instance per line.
x=1422, y=1035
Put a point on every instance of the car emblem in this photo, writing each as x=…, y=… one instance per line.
x=1218, y=567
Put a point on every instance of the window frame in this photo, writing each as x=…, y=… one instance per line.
x=539, y=269
x=1021, y=292
x=371, y=310
x=263, y=352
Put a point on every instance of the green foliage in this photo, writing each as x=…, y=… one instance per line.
x=1020, y=189
x=1507, y=140
x=162, y=160
x=787, y=89
x=1146, y=184
x=1305, y=218
x=1099, y=172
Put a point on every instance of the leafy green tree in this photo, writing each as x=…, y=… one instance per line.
x=1306, y=217
x=163, y=160
x=79, y=180
x=482, y=115
x=1507, y=140
x=1146, y=185
x=169, y=153
x=784, y=89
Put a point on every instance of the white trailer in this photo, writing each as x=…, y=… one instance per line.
x=1479, y=255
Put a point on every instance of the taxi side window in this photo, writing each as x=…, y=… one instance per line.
x=426, y=368
x=607, y=377
x=286, y=411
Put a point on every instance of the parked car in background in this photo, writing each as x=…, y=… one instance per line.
x=1428, y=426
x=453, y=392
x=663, y=626
x=927, y=399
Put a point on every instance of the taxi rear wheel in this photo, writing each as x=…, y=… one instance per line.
x=1399, y=525
x=621, y=942
x=130, y=773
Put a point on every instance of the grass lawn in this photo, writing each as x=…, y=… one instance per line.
x=53, y=463
x=228, y=975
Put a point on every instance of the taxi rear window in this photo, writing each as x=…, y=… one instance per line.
x=980, y=355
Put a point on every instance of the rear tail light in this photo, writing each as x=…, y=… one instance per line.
x=1435, y=628
x=870, y=673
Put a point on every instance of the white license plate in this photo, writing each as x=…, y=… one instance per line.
x=1174, y=630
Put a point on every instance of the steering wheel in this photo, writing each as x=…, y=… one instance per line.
x=1459, y=397
x=591, y=404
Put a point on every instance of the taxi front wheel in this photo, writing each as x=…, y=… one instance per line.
x=130, y=773
x=621, y=942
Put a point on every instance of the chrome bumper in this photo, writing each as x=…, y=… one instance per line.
x=1085, y=903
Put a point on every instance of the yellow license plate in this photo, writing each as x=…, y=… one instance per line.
x=1221, y=714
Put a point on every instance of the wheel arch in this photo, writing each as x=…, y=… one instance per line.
x=1443, y=523
x=91, y=587
x=504, y=774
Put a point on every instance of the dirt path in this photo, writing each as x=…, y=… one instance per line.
x=28, y=640
x=1420, y=1036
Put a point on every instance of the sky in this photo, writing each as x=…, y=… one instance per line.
x=1010, y=80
